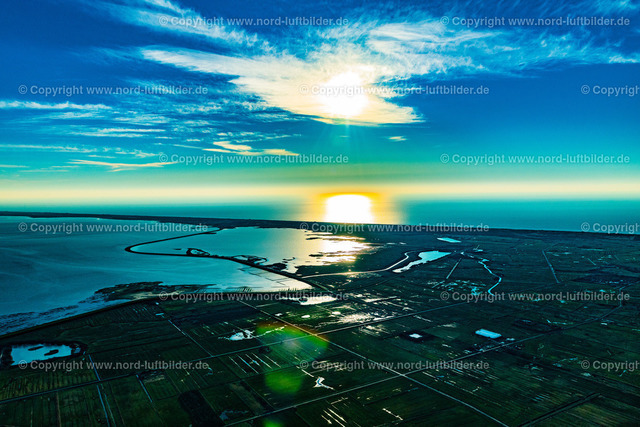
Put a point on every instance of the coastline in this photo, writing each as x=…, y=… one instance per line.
x=117, y=304
x=226, y=223
x=99, y=301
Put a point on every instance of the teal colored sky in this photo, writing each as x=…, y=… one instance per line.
x=257, y=92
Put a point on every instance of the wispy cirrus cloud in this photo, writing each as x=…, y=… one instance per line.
x=434, y=50
x=78, y=149
x=229, y=146
x=169, y=17
x=385, y=53
x=118, y=132
x=286, y=82
x=55, y=169
x=242, y=143
x=54, y=148
x=32, y=105
x=247, y=150
x=380, y=53
x=397, y=138
x=118, y=166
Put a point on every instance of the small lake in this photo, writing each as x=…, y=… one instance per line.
x=33, y=352
x=425, y=257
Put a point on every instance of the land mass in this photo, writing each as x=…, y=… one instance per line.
x=508, y=327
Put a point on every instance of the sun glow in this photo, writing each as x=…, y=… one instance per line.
x=354, y=208
x=343, y=95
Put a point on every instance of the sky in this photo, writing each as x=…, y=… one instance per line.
x=152, y=102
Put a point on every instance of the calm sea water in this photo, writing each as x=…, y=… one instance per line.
x=51, y=267
x=537, y=215
x=531, y=215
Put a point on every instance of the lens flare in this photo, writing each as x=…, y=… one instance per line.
x=294, y=343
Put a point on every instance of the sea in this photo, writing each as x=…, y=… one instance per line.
x=560, y=215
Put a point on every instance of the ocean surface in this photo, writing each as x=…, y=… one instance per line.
x=532, y=215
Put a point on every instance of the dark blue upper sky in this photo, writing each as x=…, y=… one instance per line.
x=108, y=100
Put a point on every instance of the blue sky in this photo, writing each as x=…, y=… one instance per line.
x=261, y=91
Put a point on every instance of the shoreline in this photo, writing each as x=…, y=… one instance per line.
x=240, y=261
x=226, y=223
x=162, y=297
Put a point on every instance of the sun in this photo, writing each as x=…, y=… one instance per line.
x=343, y=95
x=353, y=208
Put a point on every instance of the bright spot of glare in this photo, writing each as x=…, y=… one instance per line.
x=354, y=208
x=342, y=250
